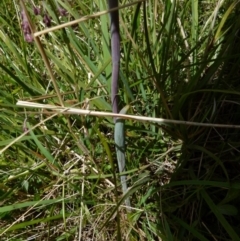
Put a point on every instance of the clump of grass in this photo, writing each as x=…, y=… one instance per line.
x=180, y=62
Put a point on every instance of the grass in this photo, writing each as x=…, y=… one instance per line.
x=179, y=70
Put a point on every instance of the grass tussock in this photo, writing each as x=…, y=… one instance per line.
x=179, y=61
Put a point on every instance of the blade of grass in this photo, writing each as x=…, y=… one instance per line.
x=225, y=224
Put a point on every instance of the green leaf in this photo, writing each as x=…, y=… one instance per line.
x=216, y=211
x=227, y=209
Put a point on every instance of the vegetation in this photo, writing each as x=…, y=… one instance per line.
x=58, y=174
